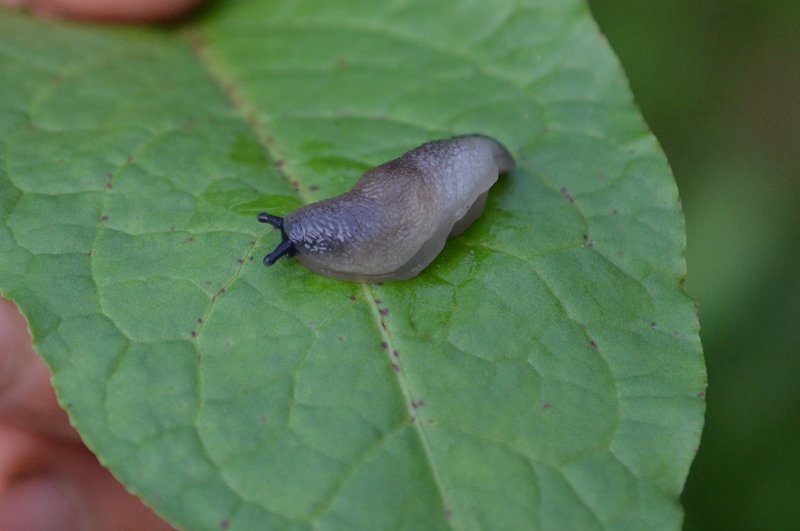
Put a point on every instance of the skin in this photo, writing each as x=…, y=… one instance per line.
x=398, y=216
x=120, y=11
x=48, y=479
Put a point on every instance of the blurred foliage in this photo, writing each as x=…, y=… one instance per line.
x=719, y=83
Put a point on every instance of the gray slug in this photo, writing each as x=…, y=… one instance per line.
x=397, y=217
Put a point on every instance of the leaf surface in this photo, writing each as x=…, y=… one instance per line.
x=544, y=372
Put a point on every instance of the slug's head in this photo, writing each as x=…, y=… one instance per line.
x=285, y=248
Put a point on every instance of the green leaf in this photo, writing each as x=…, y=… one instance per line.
x=544, y=372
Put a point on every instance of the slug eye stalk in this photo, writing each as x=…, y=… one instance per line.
x=275, y=221
x=285, y=248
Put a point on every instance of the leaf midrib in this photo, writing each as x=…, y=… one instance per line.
x=248, y=113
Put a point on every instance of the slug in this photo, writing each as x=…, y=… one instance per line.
x=397, y=217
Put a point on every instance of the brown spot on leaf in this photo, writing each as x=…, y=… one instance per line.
x=567, y=195
x=384, y=312
x=252, y=118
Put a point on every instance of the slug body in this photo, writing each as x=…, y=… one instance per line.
x=398, y=216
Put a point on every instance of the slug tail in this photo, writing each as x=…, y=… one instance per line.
x=502, y=157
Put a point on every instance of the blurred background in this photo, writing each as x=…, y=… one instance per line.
x=719, y=84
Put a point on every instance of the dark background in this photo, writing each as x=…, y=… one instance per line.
x=719, y=84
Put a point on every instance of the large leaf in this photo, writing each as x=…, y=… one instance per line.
x=544, y=372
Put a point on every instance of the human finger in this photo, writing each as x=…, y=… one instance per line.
x=47, y=485
x=27, y=399
x=139, y=11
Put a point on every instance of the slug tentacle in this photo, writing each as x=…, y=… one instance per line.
x=275, y=221
x=286, y=247
x=398, y=216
